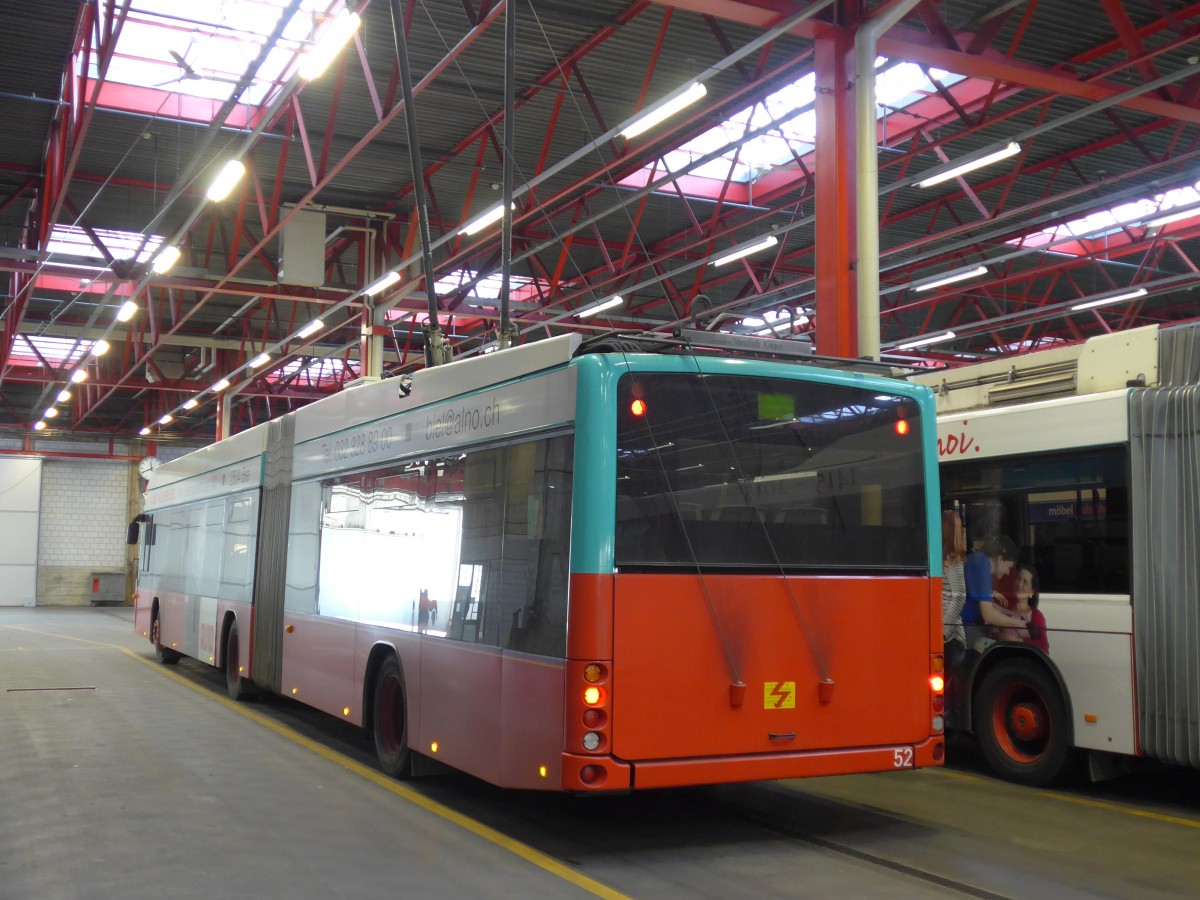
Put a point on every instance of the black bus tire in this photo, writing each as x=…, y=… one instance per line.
x=1021, y=723
x=239, y=688
x=390, y=720
x=164, y=655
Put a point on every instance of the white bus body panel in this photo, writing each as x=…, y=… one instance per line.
x=372, y=402
x=517, y=407
x=1091, y=636
x=226, y=467
x=1091, y=642
x=1090, y=421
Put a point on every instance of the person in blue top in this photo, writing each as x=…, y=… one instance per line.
x=994, y=561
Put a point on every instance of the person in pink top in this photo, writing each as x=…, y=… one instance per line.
x=1027, y=609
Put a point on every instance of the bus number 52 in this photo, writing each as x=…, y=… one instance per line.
x=902, y=758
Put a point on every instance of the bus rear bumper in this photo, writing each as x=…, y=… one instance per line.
x=608, y=774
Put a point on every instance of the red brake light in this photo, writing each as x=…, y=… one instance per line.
x=638, y=407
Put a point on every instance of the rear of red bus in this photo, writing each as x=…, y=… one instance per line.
x=756, y=582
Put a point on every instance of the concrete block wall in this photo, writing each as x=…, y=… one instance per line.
x=86, y=505
x=85, y=510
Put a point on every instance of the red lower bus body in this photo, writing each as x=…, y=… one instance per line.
x=720, y=679
x=681, y=643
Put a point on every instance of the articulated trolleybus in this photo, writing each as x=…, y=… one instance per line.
x=575, y=568
x=1088, y=457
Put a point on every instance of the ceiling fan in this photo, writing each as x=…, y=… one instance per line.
x=187, y=73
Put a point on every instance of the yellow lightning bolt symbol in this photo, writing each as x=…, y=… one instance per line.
x=779, y=695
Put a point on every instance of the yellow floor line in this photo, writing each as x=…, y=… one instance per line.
x=1118, y=808
x=527, y=853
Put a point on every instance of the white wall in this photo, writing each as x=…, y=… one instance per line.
x=85, y=510
x=85, y=507
x=20, y=481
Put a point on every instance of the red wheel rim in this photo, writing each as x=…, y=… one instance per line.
x=1021, y=722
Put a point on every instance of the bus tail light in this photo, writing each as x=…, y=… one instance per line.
x=589, y=717
x=937, y=700
x=593, y=696
x=592, y=775
x=594, y=718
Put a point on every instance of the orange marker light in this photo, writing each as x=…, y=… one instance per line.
x=638, y=407
x=593, y=696
x=937, y=682
x=901, y=427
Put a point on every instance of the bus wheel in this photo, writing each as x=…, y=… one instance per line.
x=391, y=720
x=239, y=688
x=1021, y=723
x=165, y=655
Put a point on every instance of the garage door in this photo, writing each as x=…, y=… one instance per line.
x=20, y=496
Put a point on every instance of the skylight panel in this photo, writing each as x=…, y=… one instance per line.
x=486, y=289
x=896, y=87
x=31, y=349
x=74, y=241
x=1156, y=210
x=203, y=48
x=307, y=370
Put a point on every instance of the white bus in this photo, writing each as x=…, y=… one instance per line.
x=1088, y=457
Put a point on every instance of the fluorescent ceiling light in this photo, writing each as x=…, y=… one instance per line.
x=220, y=385
x=231, y=173
x=492, y=215
x=951, y=278
x=166, y=420
x=191, y=404
x=50, y=413
x=311, y=328
x=39, y=425
x=144, y=430
x=127, y=311
x=261, y=360
x=1011, y=149
x=99, y=348
x=63, y=396
x=769, y=241
x=615, y=300
x=79, y=375
x=1104, y=301
x=167, y=257
x=665, y=110
x=335, y=36
x=925, y=341
x=380, y=283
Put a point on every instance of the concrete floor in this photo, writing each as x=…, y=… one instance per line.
x=118, y=782
x=120, y=778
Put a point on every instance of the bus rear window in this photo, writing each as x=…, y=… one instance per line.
x=726, y=471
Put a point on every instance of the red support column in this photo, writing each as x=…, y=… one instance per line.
x=836, y=193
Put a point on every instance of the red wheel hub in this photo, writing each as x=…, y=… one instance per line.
x=1021, y=722
x=1025, y=721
